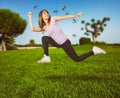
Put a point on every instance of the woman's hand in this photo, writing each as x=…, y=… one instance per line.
x=79, y=15
x=31, y=23
x=30, y=14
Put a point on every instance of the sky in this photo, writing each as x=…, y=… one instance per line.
x=97, y=9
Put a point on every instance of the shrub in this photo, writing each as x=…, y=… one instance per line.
x=84, y=40
x=11, y=47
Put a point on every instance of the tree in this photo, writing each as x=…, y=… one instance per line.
x=11, y=25
x=97, y=27
x=84, y=40
x=32, y=42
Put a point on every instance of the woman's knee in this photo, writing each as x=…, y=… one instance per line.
x=44, y=38
x=75, y=60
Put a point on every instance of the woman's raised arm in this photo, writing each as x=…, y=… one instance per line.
x=31, y=23
x=57, y=18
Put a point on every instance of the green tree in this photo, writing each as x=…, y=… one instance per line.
x=11, y=25
x=95, y=27
x=32, y=42
x=84, y=40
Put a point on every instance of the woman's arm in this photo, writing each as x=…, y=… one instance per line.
x=31, y=24
x=57, y=18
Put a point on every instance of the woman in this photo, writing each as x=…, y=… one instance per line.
x=56, y=36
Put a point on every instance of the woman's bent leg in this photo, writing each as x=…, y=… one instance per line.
x=67, y=47
x=45, y=43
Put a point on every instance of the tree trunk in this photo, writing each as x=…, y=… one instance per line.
x=3, y=45
x=94, y=38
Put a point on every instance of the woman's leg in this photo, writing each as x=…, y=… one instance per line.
x=46, y=41
x=67, y=47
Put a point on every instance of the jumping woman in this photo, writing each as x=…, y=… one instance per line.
x=56, y=37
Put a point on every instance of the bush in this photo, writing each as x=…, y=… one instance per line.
x=101, y=43
x=84, y=40
x=11, y=47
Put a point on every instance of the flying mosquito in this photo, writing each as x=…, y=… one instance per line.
x=35, y=7
x=63, y=8
x=55, y=11
x=67, y=13
x=74, y=35
x=74, y=20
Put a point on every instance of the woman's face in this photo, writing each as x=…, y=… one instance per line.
x=45, y=15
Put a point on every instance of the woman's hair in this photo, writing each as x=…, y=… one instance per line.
x=40, y=19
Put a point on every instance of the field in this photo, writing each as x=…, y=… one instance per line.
x=95, y=77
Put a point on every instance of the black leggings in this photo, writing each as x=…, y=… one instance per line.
x=67, y=47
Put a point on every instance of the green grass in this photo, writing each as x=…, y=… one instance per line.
x=95, y=77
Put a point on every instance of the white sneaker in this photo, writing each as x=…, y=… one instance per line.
x=45, y=59
x=97, y=50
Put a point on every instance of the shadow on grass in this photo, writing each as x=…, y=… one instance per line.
x=78, y=78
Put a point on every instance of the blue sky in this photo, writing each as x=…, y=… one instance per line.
x=97, y=9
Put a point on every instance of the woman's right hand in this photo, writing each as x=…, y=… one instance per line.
x=30, y=14
x=79, y=15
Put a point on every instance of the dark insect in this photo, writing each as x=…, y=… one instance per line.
x=55, y=11
x=74, y=20
x=74, y=35
x=64, y=7
x=35, y=7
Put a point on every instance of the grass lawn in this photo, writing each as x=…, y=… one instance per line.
x=95, y=77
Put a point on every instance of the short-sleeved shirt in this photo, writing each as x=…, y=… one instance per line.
x=55, y=32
